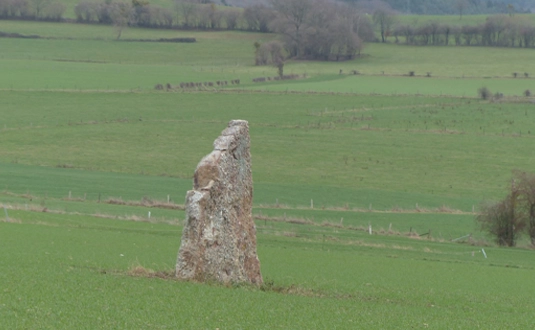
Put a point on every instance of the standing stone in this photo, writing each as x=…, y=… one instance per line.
x=219, y=237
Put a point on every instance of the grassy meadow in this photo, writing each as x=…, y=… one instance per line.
x=95, y=164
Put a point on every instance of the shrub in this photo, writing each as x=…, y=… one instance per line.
x=527, y=93
x=54, y=11
x=411, y=73
x=502, y=221
x=484, y=93
x=86, y=11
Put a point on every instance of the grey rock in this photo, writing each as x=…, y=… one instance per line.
x=219, y=237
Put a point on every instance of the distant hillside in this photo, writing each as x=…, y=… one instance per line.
x=449, y=7
x=424, y=7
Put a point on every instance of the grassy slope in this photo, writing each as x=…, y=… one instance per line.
x=105, y=64
x=82, y=282
x=345, y=151
x=455, y=20
x=427, y=146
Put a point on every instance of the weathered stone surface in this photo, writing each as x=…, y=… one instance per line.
x=219, y=237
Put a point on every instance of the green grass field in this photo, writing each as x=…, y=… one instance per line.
x=88, y=148
x=75, y=274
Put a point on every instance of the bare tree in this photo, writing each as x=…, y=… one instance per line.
x=525, y=184
x=506, y=219
x=186, y=9
x=268, y=53
x=461, y=6
x=384, y=18
x=511, y=9
x=292, y=17
x=85, y=11
x=527, y=34
x=258, y=18
x=121, y=14
x=54, y=11
x=231, y=18
x=502, y=220
x=215, y=17
x=104, y=12
x=407, y=31
x=39, y=6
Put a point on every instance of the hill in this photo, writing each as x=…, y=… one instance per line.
x=451, y=7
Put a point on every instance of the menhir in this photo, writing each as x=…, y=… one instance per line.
x=219, y=237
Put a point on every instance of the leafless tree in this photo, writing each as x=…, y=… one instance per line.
x=258, y=18
x=121, y=14
x=384, y=19
x=502, y=219
x=461, y=6
x=19, y=8
x=407, y=31
x=104, y=12
x=231, y=18
x=456, y=31
x=525, y=185
x=469, y=34
x=203, y=17
x=39, y=6
x=527, y=34
x=320, y=29
x=54, y=11
x=85, y=11
x=506, y=219
x=268, y=53
x=187, y=10
x=292, y=17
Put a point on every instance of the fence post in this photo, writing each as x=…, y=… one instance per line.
x=7, y=216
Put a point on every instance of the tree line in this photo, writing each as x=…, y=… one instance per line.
x=309, y=29
x=497, y=31
x=32, y=9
